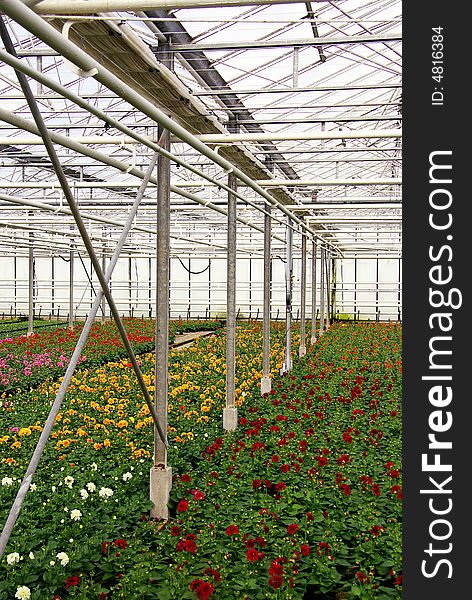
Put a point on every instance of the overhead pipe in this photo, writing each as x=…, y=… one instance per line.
x=231, y=138
x=87, y=7
x=293, y=43
x=221, y=138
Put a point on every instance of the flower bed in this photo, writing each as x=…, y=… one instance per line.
x=304, y=498
x=19, y=326
x=26, y=361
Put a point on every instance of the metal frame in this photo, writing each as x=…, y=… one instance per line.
x=301, y=161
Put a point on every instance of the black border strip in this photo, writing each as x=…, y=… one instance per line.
x=436, y=229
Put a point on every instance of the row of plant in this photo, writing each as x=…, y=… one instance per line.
x=19, y=326
x=26, y=361
x=303, y=500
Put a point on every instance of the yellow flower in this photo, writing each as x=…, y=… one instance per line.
x=107, y=443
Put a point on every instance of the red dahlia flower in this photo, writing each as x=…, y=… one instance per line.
x=293, y=528
x=376, y=489
x=182, y=506
x=204, y=590
x=209, y=571
x=72, y=581
x=120, y=544
x=275, y=568
x=252, y=555
x=305, y=549
x=275, y=581
x=232, y=530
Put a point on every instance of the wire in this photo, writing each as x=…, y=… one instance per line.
x=194, y=272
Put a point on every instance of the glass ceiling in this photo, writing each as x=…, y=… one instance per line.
x=252, y=63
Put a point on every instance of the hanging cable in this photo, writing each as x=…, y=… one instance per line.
x=194, y=272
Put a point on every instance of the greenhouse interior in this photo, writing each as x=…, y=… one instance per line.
x=200, y=299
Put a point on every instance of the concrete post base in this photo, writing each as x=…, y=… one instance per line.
x=266, y=385
x=302, y=351
x=313, y=341
x=230, y=419
x=160, y=486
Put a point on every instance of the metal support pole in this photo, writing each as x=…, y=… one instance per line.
x=328, y=290
x=333, y=280
x=287, y=365
x=230, y=413
x=314, y=249
x=71, y=286
x=322, y=293
x=149, y=286
x=355, y=288
x=56, y=406
x=377, y=309
x=52, y=285
x=130, y=274
x=161, y=473
x=15, y=274
x=30, y=285
x=302, y=348
x=103, y=299
x=266, y=383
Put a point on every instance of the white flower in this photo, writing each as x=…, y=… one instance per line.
x=23, y=593
x=84, y=494
x=31, y=555
x=62, y=556
x=33, y=487
x=68, y=481
x=71, y=540
x=105, y=492
x=53, y=488
x=127, y=476
x=91, y=487
x=52, y=563
x=75, y=514
x=13, y=558
x=94, y=466
x=7, y=481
